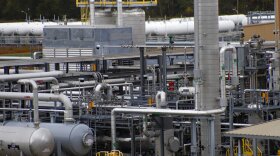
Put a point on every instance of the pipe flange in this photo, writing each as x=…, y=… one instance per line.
x=88, y=140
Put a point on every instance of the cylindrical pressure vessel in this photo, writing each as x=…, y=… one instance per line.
x=75, y=139
x=27, y=141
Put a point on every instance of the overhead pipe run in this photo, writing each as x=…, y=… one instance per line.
x=191, y=113
x=88, y=83
x=46, y=79
x=15, y=77
x=53, y=80
x=68, y=115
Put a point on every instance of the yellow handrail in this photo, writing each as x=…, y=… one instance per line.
x=247, y=148
x=113, y=3
x=102, y=153
x=115, y=153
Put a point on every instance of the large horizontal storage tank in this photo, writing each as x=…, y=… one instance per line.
x=237, y=19
x=74, y=139
x=177, y=27
x=27, y=141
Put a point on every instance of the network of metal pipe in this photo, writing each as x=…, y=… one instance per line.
x=154, y=105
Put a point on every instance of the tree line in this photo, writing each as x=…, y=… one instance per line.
x=15, y=10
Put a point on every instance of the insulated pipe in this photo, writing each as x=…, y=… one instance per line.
x=101, y=86
x=36, y=55
x=88, y=83
x=15, y=77
x=35, y=99
x=53, y=80
x=223, y=100
x=27, y=109
x=47, y=79
x=68, y=115
x=161, y=99
x=191, y=113
x=92, y=12
x=21, y=71
x=120, y=16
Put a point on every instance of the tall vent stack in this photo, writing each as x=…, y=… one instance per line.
x=207, y=67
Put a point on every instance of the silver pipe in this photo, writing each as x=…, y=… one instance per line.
x=92, y=12
x=191, y=113
x=35, y=99
x=21, y=71
x=46, y=79
x=223, y=100
x=67, y=89
x=161, y=99
x=68, y=115
x=256, y=90
x=88, y=83
x=26, y=109
x=36, y=54
x=15, y=77
x=101, y=86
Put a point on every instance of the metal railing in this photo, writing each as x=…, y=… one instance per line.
x=126, y=3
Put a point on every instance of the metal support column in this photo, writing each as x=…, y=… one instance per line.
x=56, y=66
x=162, y=136
x=67, y=67
x=47, y=67
x=104, y=63
x=239, y=147
x=231, y=122
x=16, y=69
x=193, y=138
x=255, y=147
x=132, y=138
x=164, y=73
x=142, y=72
x=97, y=62
x=212, y=138
x=159, y=72
x=6, y=70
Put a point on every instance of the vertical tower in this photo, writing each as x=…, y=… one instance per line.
x=207, y=67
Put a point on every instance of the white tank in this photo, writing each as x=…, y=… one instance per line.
x=237, y=19
x=7, y=28
x=36, y=29
x=177, y=27
x=29, y=141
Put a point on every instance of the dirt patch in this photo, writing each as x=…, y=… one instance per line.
x=18, y=50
